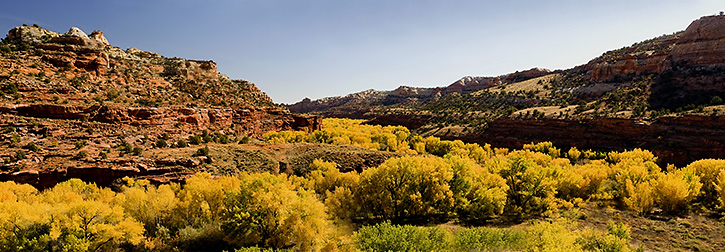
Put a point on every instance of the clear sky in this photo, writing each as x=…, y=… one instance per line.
x=294, y=49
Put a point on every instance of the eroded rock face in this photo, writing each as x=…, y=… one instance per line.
x=76, y=32
x=91, y=104
x=98, y=36
x=253, y=121
x=701, y=44
x=30, y=34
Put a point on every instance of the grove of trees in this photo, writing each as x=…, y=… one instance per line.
x=378, y=209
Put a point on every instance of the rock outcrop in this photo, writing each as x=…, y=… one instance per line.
x=95, y=109
x=98, y=36
x=29, y=35
x=252, y=121
x=701, y=44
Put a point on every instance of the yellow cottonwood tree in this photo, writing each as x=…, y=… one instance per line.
x=153, y=206
x=674, y=191
x=403, y=187
x=269, y=211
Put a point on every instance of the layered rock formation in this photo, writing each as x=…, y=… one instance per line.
x=701, y=44
x=73, y=106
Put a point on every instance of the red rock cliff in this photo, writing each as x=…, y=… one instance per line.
x=702, y=43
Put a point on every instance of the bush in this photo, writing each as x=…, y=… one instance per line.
x=161, y=143
x=531, y=190
x=10, y=88
x=137, y=151
x=181, y=144
x=387, y=237
x=720, y=187
x=32, y=147
x=674, y=191
x=80, y=144
x=19, y=154
x=479, y=194
x=641, y=197
x=223, y=139
x=202, y=152
x=490, y=239
x=195, y=139
x=269, y=210
x=708, y=171
x=125, y=146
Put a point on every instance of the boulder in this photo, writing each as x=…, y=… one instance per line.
x=76, y=32
x=30, y=35
x=98, y=36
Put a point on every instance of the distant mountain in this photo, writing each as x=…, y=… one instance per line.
x=353, y=104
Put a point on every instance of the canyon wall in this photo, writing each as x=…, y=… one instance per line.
x=675, y=140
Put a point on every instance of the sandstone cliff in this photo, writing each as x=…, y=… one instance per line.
x=701, y=44
x=73, y=105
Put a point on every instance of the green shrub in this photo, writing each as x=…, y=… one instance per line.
x=388, y=237
x=223, y=139
x=202, y=152
x=137, y=151
x=32, y=147
x=19, y=154
x=125, y=147
x=80, y=144
x=181, y=144
x=10, y=88
x=161, y=143
x=195, y=139
x=490, y=239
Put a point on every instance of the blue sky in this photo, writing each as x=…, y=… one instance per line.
x=294, y=49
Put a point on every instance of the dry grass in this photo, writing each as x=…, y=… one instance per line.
x=528, y=85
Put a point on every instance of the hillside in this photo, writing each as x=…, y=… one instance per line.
x=657, y=80
x=73, y=105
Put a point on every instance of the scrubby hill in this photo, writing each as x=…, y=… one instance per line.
x=73, y=105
